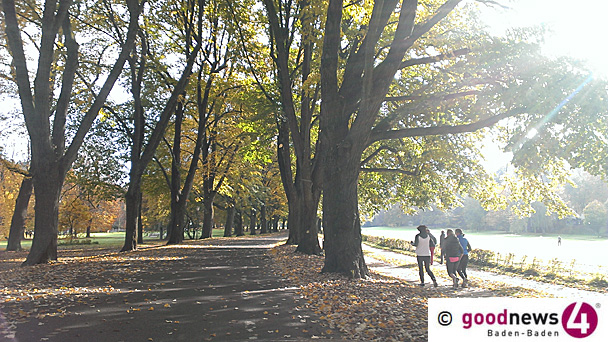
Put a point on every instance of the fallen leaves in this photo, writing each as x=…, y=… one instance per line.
x=373, y=309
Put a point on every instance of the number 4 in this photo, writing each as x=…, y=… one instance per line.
x=583, y=325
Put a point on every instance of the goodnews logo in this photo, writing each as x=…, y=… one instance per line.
x=517, y=319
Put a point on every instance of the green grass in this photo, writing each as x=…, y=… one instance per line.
x=99, y=240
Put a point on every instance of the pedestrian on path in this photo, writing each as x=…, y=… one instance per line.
x=441, y=246
x=453, y=252
x=464, y=260
x=432, y=248
x=423, y=244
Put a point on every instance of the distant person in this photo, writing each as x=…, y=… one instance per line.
x=441, y=242
x=453, y=251
x=423, y=244
x=466, y=248
x=559, y=240
x=428, y=231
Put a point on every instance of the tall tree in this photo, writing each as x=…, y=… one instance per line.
x=293, y=28
x=46, y=103
x=190, y=20
x=399, y=75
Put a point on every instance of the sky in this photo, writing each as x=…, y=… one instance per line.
x=576, y=29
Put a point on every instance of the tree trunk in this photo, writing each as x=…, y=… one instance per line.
x=132, y=204
x=275, y=224
x=88, y=231
x=229, y=221
x=293, y=221
x=238, y=229
x=263, y=221
x=178, y=203
x=19, y=215
x=48, y=189
x=140, y=224
x=252, y=222
x=309, y=240
x=208, y=212
x=177, y=222
x=342, y=226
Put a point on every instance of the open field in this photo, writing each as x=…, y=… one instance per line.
x=584, y=250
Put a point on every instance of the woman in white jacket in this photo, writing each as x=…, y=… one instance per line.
x=423, y=244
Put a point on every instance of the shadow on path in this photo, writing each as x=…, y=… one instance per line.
x=216, y=290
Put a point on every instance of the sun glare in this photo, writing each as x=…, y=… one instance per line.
x=575, y=28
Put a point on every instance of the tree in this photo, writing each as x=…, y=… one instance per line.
x=57, y=69
x=596, y=217
x=142, y=152
x=295, y=61
x=411, y=73
x=15, y=201
x=20, y=213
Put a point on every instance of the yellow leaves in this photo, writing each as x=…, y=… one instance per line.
x=371, y=309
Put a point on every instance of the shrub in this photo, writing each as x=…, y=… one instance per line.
x=71, y=242
x=598, y=281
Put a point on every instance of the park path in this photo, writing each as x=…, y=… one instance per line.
x=405, y=267
x=210, y=290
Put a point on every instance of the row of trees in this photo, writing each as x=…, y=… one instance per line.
x=587, y=195
x=369, y=102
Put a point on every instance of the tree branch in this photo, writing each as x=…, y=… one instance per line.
x=433, y=59
x=442, y=97
x=442, y=130
x=383, y=169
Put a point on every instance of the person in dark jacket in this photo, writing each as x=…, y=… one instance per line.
x=453, y=252
x=423, y=244
x=464, y=260
x=428, y=231
x=441, y=242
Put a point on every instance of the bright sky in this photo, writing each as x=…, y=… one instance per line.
x=576, y=28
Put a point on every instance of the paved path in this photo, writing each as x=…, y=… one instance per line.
x=409, y=272
x=222, y=291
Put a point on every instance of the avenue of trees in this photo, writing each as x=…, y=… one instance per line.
x=286, y=110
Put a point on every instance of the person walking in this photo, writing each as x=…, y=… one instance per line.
x=464, y=260
x=559, y=240
x=423, y=244
x=453, y=251
x=432, y=248
x=441, y=242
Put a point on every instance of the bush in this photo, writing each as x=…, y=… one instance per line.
x=482, y=257
x=598, y=281
x=72, y=242
x=389, y=242
x=531, y=272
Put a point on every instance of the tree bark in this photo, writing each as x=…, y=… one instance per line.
x=48, y=189
x=19, y=215
x=238, y=228
x=230, y=211
x=342, y=226
x=252, y=222
x=208, y=213
x=263, y=221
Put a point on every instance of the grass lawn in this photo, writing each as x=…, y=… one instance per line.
x=101, y=241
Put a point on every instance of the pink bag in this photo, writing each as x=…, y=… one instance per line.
x=454, y=259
